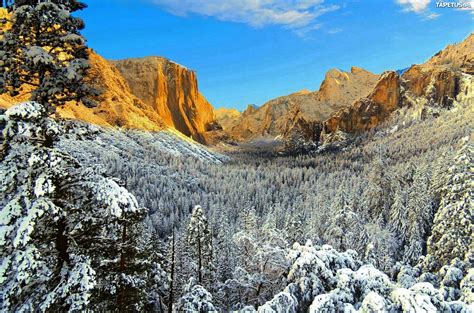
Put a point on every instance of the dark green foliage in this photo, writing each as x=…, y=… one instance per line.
x=43, y=54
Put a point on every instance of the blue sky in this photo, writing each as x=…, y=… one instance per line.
x=251, y=51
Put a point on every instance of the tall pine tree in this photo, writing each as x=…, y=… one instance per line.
x=199, y=241
x=42, y=53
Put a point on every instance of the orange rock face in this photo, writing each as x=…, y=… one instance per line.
x=456, y=57
x=172, y=91
x=436, y=82
x=116, y=106
x=368, y=112
x=439, y=85
x=148, y=94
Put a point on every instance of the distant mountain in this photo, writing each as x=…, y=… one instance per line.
x=225, y=117
x=338, y=90
x=438, y=83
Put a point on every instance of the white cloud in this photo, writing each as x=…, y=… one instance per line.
x=298, y=15
x=432, y=16
x=336, y=30
x=417, y=6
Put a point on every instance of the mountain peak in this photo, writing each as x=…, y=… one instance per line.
x=153, y=59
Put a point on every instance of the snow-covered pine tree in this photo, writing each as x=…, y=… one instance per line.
x=196, y=299
x=149, y=262
x=377, y=195
x=295, y=229
x=41, y=268
x=398, y=213
x=68, y=229
x=420, y=216
x=43, y=54
x=261, y=260
x=62, y=225
x=343, y=223
x=199, y=241
x=184, y=265
x=381, y=247
x=248, y=220
x=136, y=279
x=224, y=252
x=225, y=263
x=172, y=271
x=451, y=235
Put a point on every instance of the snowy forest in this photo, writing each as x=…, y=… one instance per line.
x=100, y=219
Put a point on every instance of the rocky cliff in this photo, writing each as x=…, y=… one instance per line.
x=171, y=90
x=339, y=89
x=458, y=56
x=368, y=112
x=434, y=84
x=117, y=105
x=226, y=117
x=149, y=94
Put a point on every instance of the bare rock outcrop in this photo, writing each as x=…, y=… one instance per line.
x=434, y=84
x=172, y=91
x=369, y=111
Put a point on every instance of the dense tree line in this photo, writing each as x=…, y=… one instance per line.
x=377, y=194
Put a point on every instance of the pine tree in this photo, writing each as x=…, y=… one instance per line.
x=343, y=224
x=420, y=216
x=199, y=240
x=248, y=220
x=172, y=266
x=223, y=252
x=63, y=245
x=196, y=299
x=261, y=260
x=398, y=213
x=44, y=54
x=295, y=228
x=451, y=236
x=184, y=263
x=378, y=192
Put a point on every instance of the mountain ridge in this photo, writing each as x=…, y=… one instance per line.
x=338, y=89
x=433, y=84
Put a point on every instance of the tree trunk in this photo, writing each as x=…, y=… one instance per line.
x=62, y=243
x=171, y=295
x=199, y=257
x=120, y=294
x=257, y=294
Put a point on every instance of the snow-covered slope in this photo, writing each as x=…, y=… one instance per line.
x=132, y=143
